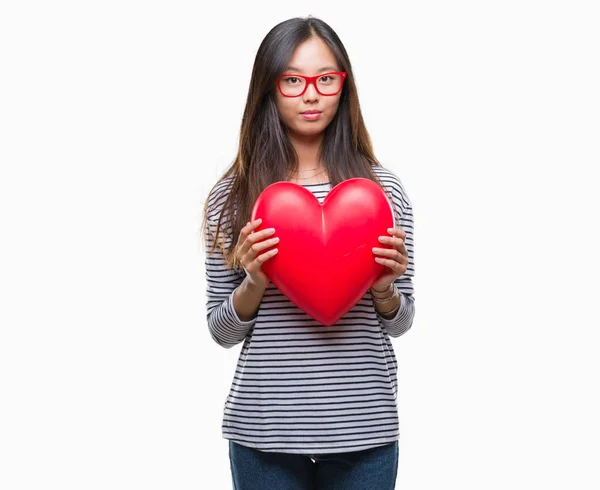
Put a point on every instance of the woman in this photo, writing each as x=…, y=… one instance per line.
x=310, y=406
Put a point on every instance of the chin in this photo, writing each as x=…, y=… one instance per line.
x=312, y=130
x=311, y=126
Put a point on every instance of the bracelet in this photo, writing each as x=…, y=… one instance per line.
x=394, y=295
x=385, y=290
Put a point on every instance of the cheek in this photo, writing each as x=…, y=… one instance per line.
x=287, y=109
x=332, y=107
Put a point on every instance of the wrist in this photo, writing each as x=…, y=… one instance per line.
x=380, y=291
x=253, y=287
x=388, y=308
x=384, y=294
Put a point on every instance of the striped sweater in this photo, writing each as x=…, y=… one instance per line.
x=300, y=387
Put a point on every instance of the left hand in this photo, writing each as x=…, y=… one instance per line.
x=396, y=259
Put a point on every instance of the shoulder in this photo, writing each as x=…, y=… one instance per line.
x=217, y=197
x=393, y=185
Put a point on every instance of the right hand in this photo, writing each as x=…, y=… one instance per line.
x=248, y=247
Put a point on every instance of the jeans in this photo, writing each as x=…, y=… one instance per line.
x=370, y=469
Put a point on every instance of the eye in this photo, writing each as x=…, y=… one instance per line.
x=326, y=76
x=288, y=80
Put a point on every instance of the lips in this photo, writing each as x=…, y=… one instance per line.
x=311, y=112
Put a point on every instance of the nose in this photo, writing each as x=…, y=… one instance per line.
x=311, y=91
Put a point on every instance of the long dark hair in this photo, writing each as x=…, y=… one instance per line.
x=265, y=154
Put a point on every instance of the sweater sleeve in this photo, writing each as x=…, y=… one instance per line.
x=224, y=325
x=403, y=319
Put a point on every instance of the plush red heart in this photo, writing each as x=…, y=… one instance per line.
x=325, y=262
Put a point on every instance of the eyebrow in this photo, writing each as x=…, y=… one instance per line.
x=320, y=70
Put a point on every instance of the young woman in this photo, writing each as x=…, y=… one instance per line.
x=310, y=406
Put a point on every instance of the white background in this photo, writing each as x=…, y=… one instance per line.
x=118, y=116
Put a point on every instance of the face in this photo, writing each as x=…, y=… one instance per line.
x=310, y=58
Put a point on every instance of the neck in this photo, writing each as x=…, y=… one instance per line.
x=307, y=148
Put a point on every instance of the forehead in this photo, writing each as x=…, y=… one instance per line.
x=312, y=56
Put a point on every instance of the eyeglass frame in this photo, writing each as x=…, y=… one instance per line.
x=312, y=80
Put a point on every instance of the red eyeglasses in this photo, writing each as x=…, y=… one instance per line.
x=293, y=85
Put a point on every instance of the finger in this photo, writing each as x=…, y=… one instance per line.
x=241, y=247
x=404, y=252
x=253, y=265
x=397, y=243
x=396, y=258
x=256, y=248
x=391, y=253
x=400, y=245
x=392, y=240
x=397, y=232
x=255, y=224
x=260, y=235
x=262, y=258
x=255, y=238
x=246, y=230
x=396, y=267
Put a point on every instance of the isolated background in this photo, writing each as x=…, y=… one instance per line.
x=117, y=117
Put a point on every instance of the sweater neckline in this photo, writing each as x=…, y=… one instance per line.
x=312, y=185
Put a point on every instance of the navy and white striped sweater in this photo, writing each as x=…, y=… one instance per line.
x=301, y=387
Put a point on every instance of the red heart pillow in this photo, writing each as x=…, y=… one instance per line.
x=325, y=262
